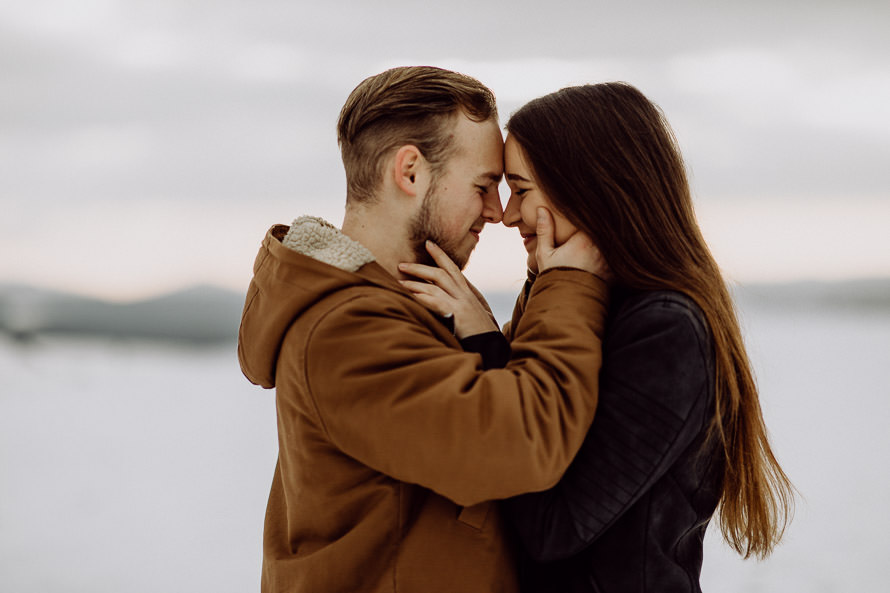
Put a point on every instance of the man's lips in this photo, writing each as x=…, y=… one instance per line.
x=528, y=238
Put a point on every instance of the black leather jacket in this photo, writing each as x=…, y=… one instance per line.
x=631, y=511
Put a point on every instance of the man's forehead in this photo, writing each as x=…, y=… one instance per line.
x=480, y=146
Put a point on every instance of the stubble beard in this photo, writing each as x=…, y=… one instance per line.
x=424, y=226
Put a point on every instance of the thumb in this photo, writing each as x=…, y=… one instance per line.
x=544, y=230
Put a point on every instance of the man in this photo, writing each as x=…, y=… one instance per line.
x=392, y=439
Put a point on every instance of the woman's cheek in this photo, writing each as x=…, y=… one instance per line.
x=564, y=230
x=529, y=214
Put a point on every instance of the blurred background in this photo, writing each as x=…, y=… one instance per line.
x=145, y=148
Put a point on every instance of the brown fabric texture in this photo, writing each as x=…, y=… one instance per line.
x=393, y=441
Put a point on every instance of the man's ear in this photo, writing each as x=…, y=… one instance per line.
x=407, y=165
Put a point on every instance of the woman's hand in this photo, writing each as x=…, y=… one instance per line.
x=446, y=292
x=578, y=251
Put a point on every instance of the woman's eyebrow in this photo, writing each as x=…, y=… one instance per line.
x=515, y=177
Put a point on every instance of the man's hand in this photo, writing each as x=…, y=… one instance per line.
x=577, y=252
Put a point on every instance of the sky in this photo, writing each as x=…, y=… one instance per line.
x=147, y=146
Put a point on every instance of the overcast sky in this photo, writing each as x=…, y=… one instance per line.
x=147, y=146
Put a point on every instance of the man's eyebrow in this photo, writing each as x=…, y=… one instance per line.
x=491, y=177
x=515, y=177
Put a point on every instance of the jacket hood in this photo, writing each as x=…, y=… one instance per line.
x=296, y=267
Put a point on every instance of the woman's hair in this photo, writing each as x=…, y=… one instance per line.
x=408, y=105
x=608, y=160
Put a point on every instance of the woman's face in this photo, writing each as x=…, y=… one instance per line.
x=525, y=198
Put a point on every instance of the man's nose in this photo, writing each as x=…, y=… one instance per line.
x=491, y=206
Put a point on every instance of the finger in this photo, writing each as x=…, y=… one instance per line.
x=441, y=258
x=437, y=276
x=430, y=297
x=434, y=305
x=429, y=273
x=424, y=288
x=544, y=230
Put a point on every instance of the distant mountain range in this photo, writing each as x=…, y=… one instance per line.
x=207, y=315
x=868, y=295
x=199, y=315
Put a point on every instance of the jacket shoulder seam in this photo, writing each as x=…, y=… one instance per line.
x=670, y=300
x=360, y=293
x=306, y=377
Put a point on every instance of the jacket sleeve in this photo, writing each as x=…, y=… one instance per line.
x=519, y=307
x=654, y=388
x=408, y=404
x=492, y=346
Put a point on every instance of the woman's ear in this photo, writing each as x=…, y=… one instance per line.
x=407, y=165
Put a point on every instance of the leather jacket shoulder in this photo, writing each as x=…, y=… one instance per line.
x=645, y=453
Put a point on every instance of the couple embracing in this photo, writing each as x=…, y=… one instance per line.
x=583, y=448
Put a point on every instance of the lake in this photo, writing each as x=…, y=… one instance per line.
x=132, y=467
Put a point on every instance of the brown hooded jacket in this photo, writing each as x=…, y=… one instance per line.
x=392, y=439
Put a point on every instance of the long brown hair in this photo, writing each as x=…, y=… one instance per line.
x=608, y=160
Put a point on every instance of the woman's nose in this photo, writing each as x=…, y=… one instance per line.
x=511, y=216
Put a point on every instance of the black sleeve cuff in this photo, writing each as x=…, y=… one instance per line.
x=493, y=346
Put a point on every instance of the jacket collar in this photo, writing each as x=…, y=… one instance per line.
x=316, y=238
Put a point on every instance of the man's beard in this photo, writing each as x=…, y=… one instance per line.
x=425, y=226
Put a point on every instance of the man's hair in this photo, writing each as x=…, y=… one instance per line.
x=413, y=105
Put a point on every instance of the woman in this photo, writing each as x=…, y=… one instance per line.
x=678, y=434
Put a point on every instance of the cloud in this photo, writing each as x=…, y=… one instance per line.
x=233, y=105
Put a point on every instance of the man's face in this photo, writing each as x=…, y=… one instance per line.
x=464, y=196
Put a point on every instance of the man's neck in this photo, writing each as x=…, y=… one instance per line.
x=383, y=234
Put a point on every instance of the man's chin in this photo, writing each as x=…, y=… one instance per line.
x=459, y=254
x=464, y=256
x=460, y=258
x=422, y=256
x=461, y=261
